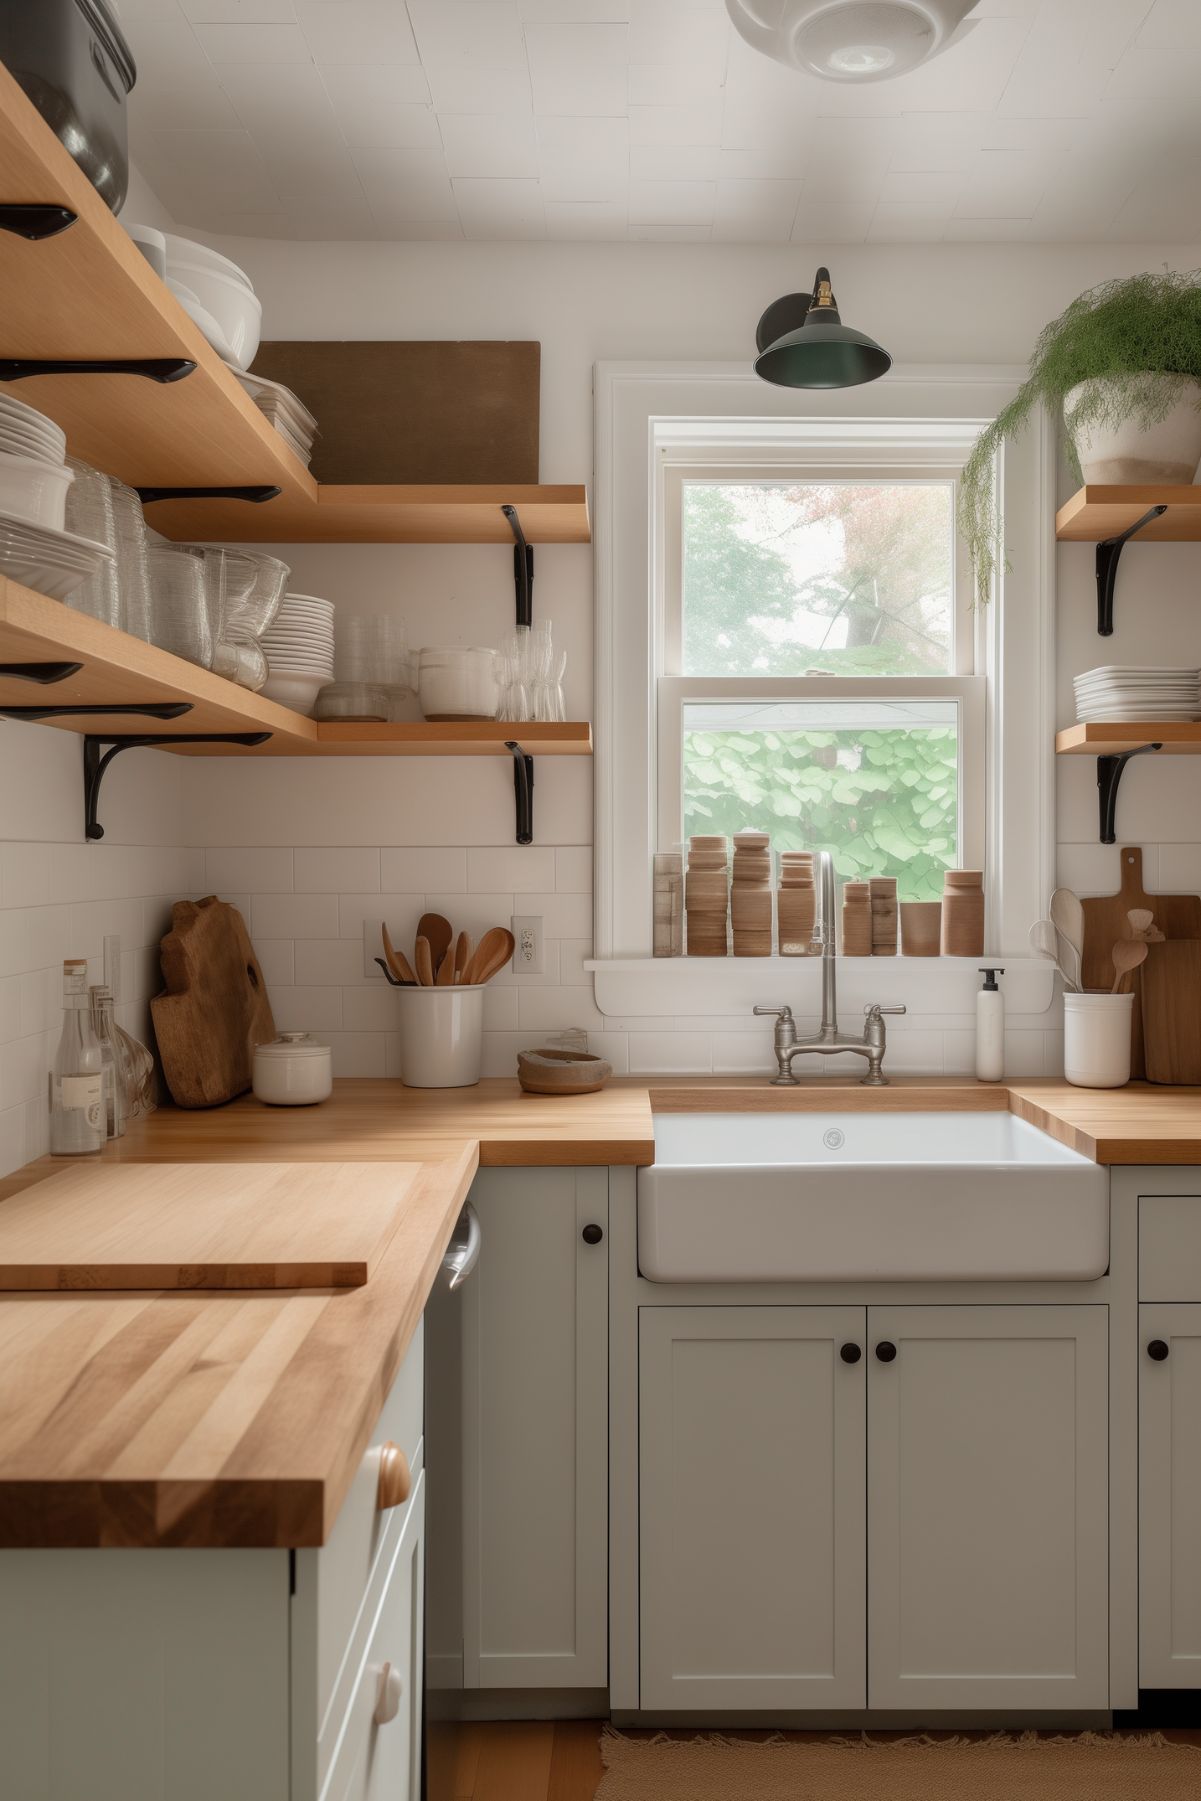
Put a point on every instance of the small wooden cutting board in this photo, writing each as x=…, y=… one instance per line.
x=203, y=1225
x=1176, y=915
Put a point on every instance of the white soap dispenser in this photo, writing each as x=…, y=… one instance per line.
x=990, y=1029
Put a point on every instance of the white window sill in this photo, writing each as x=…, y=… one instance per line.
x=633, y=987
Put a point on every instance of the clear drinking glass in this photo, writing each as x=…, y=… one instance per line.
x=179, y=617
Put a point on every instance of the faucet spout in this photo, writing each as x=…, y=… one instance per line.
x=829, y=931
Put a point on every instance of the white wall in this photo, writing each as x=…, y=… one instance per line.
x=414, y=830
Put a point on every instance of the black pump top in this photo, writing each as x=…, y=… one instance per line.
x=990, y=980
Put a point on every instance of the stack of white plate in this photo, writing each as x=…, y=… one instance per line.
x=55, y=563
x=33, y=480
x=288, y=414
x=1119, y=692
x=299, y=645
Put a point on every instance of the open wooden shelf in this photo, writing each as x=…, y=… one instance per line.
x=1095, y=513
x=88, y=293
x=119, y=669
x=1178, y=738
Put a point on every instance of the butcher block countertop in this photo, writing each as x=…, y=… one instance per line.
x=238, y=1418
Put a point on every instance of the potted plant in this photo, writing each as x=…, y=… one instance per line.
x=1123, y=361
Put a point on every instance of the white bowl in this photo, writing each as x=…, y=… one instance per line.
x=33, y=490
x=235, y=309
x=187, y=250
x=292, y=689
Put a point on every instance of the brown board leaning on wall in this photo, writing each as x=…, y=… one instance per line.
x=415, y=412
x=215, y=1007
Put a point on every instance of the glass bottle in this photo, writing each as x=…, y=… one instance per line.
x=77, y=1079
x=116, y=1100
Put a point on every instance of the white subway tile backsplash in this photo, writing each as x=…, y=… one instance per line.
x=359, y=1053
x=553, y=1008
x=525, y=869
x=248, y=871
x=277, y=961
x=329, y=960
x=26, y=875
x=370, y=1009
x=1179, y=869
x=573, y=869
x=500, y=1009
x=336, y=871
x=572, y=953
x=670, y=1053
x=1025, y=1054
x=563, y=915
x=614, y=1047
x=294, y=916
x=11, y=1025
x=741, y=1054
x=307, y=1009
x=474, y=913
x=419, y=871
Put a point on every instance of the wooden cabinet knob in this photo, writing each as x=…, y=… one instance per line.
x=395, y=1477
x=387, y=1701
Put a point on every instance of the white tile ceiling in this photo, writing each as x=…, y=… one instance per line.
x=611, y=119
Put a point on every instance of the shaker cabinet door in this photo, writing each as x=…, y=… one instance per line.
x=1170, y=1497
x=753, y=1551
x=988, y=1507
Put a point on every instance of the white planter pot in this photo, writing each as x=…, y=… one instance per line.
x=1168, y=452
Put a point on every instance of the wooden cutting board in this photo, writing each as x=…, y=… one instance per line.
x=203, y=1225
x=1176, y=915
x=1171, y=1009
x=215, y=1008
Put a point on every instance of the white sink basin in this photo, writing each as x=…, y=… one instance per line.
x=836, y=1197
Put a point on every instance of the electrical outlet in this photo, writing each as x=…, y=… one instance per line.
x=527, y=938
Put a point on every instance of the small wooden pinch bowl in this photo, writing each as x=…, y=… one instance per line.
x=562, y=1072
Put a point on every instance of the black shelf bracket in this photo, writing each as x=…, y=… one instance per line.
x=1110, y=771
x=255, y=495
x=96, y=761
x=523, y=790
x=1109, y=552
x=168, y=709
x=523, y=568
x=43, y=673
x=33, y=220
x=155, y=368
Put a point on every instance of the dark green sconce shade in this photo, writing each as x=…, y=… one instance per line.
x=803, y=343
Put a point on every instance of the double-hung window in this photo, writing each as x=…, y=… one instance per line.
x=818, y=661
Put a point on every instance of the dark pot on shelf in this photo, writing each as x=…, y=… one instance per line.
x=73, y=62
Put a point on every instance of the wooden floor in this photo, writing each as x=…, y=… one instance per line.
x=543, y=1760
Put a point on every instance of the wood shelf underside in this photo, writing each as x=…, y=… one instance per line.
x=1101, y=739
x=1096, y=512
x=88, y=293
x=118, y=668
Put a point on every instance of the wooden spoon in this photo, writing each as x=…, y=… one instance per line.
x=1142, y=925
x=493, y=952
x=446, y=969
x=436, y=930
x=462, y=955
x=425, y=962
x=1127, y=954
x=398, y=963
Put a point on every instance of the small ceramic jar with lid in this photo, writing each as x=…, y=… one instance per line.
x=294, y=1070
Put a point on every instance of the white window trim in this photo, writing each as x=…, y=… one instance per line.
x=642, y=408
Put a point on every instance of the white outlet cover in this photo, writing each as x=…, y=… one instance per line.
x=528, y=956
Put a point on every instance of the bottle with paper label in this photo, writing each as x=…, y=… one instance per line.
x=77, y=1118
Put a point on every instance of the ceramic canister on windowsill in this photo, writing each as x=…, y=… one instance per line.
x=963, y=913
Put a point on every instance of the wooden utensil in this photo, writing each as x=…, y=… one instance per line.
x=1067, y=916
x=1105, y=919
x=437, y=932
x=398, y=963
x=1142, y=925
x=1127, y=954
x=462, y=955
x=425, y=962
x=215, y=1008
x=204, y=1225
x=446, y=969
x=1049, y=943
x=492, y=953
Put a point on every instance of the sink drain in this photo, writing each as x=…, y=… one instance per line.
x=834, y=1139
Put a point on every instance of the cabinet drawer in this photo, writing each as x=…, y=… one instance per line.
x=378, y=1758
x=1169, y=1247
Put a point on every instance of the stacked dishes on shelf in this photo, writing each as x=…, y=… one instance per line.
x=750, y=894
x=212, y=605
x=105, y=511
x=217, y=296
x=299, y=647
x=796, y=905
x=284, y=410
x=707, y=895
x=37, y=545
x=373, y=672
x=1118, y=692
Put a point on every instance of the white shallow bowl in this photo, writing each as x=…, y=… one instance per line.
x=187, y=250
x=200, y=316
x=236, y=309
x=293, y=689
x=33, y=490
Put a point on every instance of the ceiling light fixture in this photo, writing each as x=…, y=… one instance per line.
x=851, y=40
x=803, y=343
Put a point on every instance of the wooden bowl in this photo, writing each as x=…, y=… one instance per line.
x=562, y=1072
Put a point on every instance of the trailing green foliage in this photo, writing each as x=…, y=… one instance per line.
x=1124, y=331
x=883, y=803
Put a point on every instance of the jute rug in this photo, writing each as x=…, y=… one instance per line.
x=1083, y=1766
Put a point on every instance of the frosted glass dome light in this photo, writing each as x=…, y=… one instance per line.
x=850, y=40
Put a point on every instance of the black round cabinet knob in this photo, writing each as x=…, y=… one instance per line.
x=886, y=1351
x=592, y=1234
x=1157, y=1350
x=850, y=1353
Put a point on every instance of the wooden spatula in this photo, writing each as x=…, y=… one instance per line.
x=446, y=969
x=1128, y=953
x=437, y=933
x=425, y=962
x=462, y=955
x=493, y=952
x=398, y=963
